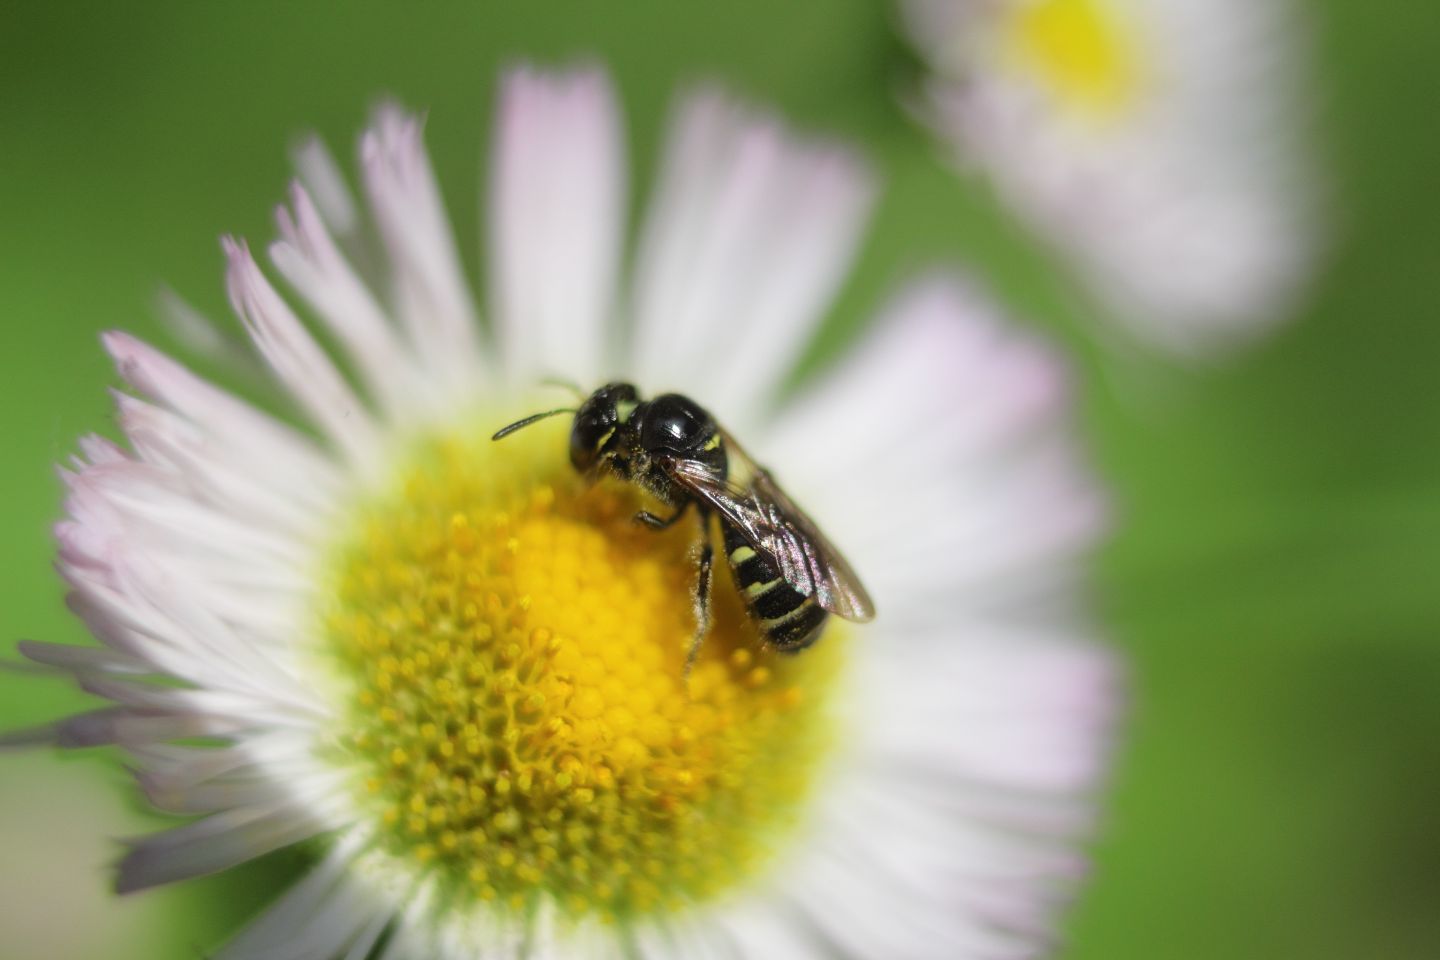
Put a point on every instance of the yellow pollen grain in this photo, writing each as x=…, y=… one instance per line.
x=1079, y=51
x=519, y=716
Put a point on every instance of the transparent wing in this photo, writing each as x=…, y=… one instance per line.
x=776, y=528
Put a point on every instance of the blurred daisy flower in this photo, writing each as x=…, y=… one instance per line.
x=1155, y=142
x=457, y=672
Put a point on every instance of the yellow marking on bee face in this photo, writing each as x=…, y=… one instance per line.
x=712, y=443
x=605, y=439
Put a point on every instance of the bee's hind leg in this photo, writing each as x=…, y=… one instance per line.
x=705, y=570
x=702, y=602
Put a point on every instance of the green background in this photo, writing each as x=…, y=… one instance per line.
x=1274, y=582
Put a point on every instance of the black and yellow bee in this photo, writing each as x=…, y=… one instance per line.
x=790, y=576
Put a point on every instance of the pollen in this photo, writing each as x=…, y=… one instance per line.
x=1080, y=52
x=515, y=703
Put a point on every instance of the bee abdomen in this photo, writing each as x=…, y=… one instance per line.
x=789, y=620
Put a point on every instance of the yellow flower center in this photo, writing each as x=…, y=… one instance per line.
x=513, y=647
x=1079, y=52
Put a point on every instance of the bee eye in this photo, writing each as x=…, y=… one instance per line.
x=586, y=435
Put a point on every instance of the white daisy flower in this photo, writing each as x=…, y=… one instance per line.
x=1155, y=142
x=457, y=670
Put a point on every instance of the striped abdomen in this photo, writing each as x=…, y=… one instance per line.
x=788, y=620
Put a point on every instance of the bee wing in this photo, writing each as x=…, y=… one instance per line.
x=775, y=527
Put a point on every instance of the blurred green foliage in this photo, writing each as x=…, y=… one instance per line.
x=1274, y=580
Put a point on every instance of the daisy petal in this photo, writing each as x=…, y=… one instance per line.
x=1033, y=716
x=318, y=171
x=288, y=457
x=296, y=358
x=748, y=237
x=327, y=915
x=214, y=471
x=197, y=333
x=556, y=221
x=207, y=846
x=81, y=660
x=971, y=476
x=308, y=258
x=432, y=296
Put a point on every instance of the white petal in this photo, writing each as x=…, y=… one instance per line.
x=218, y=842
x=308, y=258
x=556, y=222
x=156, y=588
x=197, y=333
x=156, y=500
x=287, y=456
x=138, y=515
x=432, y=296
x=776, y=927
x=298, y=361
x=318, y=171
x=214, y=472
x=957, y=482
x=997, y=707
x=887, y=876
x=691, y=938
x=326, y=916
x=121, y=726
x=948, y=827
x=176, y=768
x=746, y=241
x=81, y=660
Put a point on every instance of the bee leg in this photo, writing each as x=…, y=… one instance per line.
x=702, y=603
x=648, y=519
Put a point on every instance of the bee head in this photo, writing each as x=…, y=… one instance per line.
x=596, y=420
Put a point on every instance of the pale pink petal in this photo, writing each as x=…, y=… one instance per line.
x=956, y=481
x=432, y=296
x=297, y=360
x=216, y=843
x=306, y=256
x=745, y=245
x=215, y=472
x=556, y=222
x=197, y=333
x=318, y=917
x=318, y=171
x=1000, y=707
x=290, y=458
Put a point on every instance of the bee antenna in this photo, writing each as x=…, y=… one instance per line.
x=564, y=384
x=504, y=432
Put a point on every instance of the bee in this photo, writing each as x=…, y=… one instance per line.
x=790, y=576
